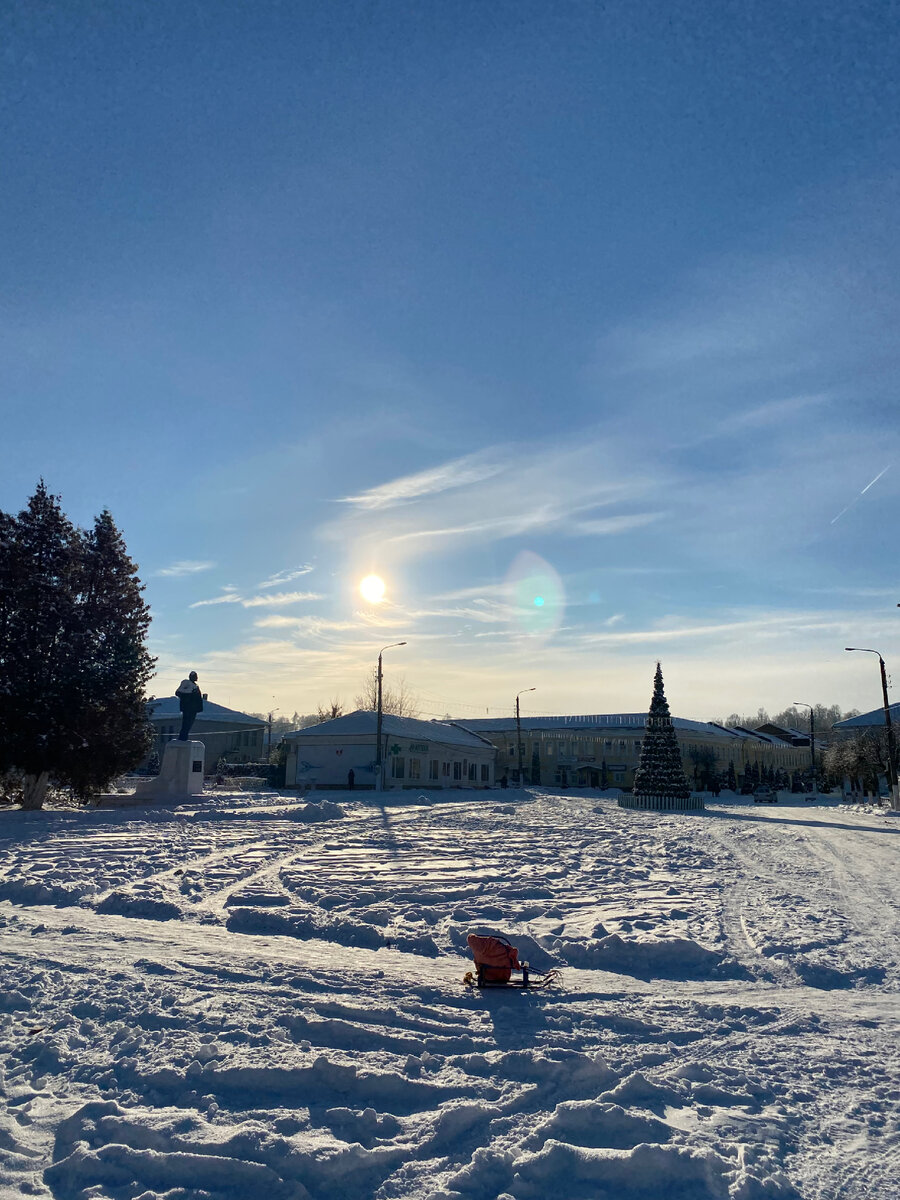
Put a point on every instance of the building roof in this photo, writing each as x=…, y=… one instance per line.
x=870, y=719
x=605, y=722
x=784, y=732
x=167, y=708
x=364, y=722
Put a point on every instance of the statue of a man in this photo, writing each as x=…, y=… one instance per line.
x=190, y=701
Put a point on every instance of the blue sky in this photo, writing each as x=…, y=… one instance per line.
x=595, y=304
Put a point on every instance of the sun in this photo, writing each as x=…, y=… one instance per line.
x=372, y=589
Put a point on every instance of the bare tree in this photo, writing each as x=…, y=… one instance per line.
x=328, y=712
x=399, y=699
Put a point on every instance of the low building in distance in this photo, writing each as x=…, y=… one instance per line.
x=226, y=733
x=604, y=750
x=415, y=754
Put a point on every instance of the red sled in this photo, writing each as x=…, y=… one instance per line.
x=495, y=961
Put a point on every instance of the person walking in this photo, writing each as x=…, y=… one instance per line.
x=190, y=701
x=351, y=776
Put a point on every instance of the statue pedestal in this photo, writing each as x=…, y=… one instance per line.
x=180, y=776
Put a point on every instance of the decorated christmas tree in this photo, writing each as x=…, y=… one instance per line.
x=660, y=772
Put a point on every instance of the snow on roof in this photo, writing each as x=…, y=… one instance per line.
x=363, y=723
x=869, y=719
x=167, y=707
x=603, y=721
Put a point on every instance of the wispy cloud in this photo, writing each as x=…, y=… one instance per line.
x=185, y=566
x=280, y=578
x=771, y=412
x=317, y=626
x=229, y=596
x=459, y=472
x=518, y=491
x=606, y=526
x=278, y=599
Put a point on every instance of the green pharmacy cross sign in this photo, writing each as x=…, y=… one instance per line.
x=395, y=749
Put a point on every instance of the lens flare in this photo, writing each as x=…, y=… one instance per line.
x=536, y=594
x=372, y=589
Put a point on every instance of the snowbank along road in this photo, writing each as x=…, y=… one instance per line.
x=254, y=998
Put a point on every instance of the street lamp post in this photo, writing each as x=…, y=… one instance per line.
x=378, y=764
x=812, y=740
x=272, y=712
x=519, y=732
x=892, y=761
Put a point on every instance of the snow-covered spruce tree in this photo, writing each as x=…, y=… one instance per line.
x=73, y=665
x=660, y=772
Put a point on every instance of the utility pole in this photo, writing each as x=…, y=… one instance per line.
x=379, y=768
x=519, y=733
x=892, y=759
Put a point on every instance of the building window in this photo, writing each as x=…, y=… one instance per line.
x=398, y=766
x=472, y=767
x=548, y=749
x=415, y=768
x=485, y=773
x=433, y=769
x=457, y=770
x=445, y=770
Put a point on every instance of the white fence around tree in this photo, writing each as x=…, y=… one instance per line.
x=661, y=803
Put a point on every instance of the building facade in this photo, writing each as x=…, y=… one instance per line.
x=604, y=750
x=415, y=754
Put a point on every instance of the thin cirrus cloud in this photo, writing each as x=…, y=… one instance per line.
x=280, y=578
x=275, y=600
x=511, y=492
x=185, y=567
x=459, y=472
x=229, y=596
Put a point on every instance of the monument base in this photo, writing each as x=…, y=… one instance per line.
x=180, y=778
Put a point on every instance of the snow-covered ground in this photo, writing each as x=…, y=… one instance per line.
x=235, y=1000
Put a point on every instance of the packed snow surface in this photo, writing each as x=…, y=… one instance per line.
x=255, y=996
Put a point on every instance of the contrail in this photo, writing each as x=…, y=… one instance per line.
x=862, y=493
x=875, y=480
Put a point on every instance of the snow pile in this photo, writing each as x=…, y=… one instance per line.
x=323, y=811
x=671, y=958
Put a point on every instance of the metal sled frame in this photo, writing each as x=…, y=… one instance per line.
x=524, y=982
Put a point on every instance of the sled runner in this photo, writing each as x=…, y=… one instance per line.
x=495, y=960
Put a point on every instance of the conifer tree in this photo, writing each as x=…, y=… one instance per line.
x=660, y=772
x=73, y=664
x=730, y=777
x=38, y=601
x=108, y=692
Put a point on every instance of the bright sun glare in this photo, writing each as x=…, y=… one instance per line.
x=372, y=588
